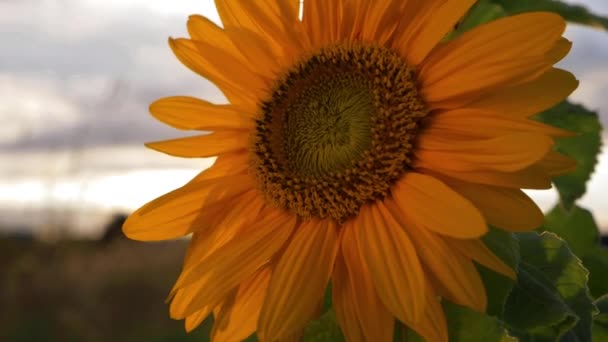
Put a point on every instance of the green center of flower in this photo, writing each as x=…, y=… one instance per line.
x=328, y=125
x=337, y=131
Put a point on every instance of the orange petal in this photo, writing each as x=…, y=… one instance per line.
x=509, y=209
x=223, y=270
x=359, y=296
x=478, y=251
x=415, y=16
x=433, y=326
x=429, y=202
x=468, y=123
x=234, y=78
x=194, y=320
x=202, y=29
x=299, y=280
x=192, y=207
x=440, y=24
x=524, y=100
x=199, y=146
x=241, y=215
x=276, y=20
x=321, y=20
x=185, y=112
x=380, y=21
x=532, y=177
x=491, y=55
x=392, y=260
x=509, y=38
x=455, y=273
x=556, y=164
x=224, y=165
x=506, y=153
x=237, y=319
x=343, y=298
x=255, y=48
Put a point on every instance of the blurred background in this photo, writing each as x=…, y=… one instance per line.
x=76, y=78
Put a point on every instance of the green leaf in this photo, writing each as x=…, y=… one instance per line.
x=498, y=287
x=484, y=11
x=466, y=325
x=504, y=244
x=576, y=226
x=584, y=147
x=326, y=328
x=600, y=321
x=574, y=13
x=596, y=261
x=551, y=295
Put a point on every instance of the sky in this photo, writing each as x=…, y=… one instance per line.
x=77, y=76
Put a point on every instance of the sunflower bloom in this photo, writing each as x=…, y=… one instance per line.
x=358, y=147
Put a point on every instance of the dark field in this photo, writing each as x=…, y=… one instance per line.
x=89, y=291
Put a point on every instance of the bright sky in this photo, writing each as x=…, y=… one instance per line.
x=76, y=77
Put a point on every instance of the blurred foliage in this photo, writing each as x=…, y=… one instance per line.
x=325, y=328
x=581, y=240
x=89, y=291
x=584, y=147
x=573, y=13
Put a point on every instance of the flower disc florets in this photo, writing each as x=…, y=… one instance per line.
x=337, y=131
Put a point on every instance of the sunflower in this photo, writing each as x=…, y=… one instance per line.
x=359, y=146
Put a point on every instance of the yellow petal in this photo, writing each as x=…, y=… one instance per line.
x=207, y=145
x=299, y=280
x=506, y=153
x=524, y=100
x=190, y=113
x=440, y=24
x=392, y=260
x=509, y=209
x=478, y=251
x=237, y=319
x=429, y=202
x=192, y=207
x=358, y=295
x=223, y=270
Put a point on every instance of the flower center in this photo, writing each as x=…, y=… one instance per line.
x=337, y=131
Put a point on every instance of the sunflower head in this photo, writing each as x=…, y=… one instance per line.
x=360, y=146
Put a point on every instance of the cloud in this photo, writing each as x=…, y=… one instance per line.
x=82, y=73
